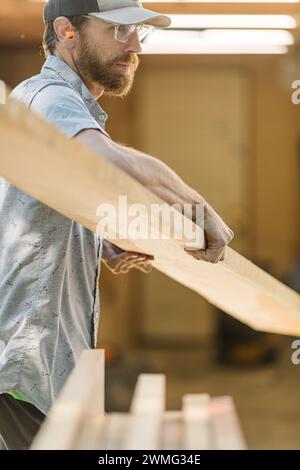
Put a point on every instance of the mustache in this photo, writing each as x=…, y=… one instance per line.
x=130, y=59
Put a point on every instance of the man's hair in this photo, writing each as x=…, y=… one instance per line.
x=50, y=38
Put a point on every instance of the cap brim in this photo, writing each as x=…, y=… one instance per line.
x=133, y=15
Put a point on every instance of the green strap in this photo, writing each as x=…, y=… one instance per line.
x=19, y=396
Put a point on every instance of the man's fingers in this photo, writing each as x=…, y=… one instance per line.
x=212, y=255
x=145, y=268
x=124, y=266
x=131, y=256
x=215, y=255
x=139, y=255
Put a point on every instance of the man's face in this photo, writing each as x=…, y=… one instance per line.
x=106, y=61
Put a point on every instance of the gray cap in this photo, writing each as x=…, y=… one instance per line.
x=111, y=11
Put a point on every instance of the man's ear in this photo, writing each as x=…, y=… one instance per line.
x=64, y=31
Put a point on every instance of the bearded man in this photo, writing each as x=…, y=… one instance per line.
x=50, y=265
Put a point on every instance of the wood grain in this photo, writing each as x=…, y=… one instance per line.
x=40, y=160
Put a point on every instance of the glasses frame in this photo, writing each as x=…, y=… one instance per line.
x=148, y=27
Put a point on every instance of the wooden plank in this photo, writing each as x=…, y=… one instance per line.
x=3, y=93
x=148, y=405
x=81, y=399
x=144, y=432
x=225, y=424
x=117, y=426
x=125, y=431
x=172, y=430
x=149, y=395
x=92, y=433
x=197, y=426
x=61, y=173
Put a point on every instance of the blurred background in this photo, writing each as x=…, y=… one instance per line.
x=212, y=99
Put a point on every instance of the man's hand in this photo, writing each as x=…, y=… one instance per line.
x=217, y=236
x=120, y=261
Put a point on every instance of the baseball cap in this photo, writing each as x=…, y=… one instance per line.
x=111, y=11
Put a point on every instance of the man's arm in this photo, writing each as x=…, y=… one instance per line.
x=165, y=183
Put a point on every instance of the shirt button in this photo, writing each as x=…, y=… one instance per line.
x=101, y=117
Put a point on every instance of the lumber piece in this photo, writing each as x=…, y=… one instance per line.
x=225, y=424
x=81, y=399
x=40, y=160
x=196, y=422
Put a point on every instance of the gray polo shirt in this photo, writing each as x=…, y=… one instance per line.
x=50, y=265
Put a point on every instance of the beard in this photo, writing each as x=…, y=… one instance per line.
x=105, y=73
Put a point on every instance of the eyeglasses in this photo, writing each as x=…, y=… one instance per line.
x=124, y=31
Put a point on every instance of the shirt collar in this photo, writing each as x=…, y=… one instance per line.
x=58, y=67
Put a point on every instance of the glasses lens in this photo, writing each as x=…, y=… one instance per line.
x=144, y=31
x=123, y=32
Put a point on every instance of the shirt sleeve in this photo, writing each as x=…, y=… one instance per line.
x=63, y=107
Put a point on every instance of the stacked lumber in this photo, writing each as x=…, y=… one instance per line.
x=77, y=421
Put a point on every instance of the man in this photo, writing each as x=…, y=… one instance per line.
x=50, y=269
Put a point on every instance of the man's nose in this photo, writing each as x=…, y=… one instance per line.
x=133, y=44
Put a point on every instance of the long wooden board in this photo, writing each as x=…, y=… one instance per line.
x=40, y=160
x=225, y=425
x=81, y=400
x=196, y=418
x=147, y=409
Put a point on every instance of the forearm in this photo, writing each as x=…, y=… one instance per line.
x=149, y=171
x=158, y=177
x=110, y=250
x=162, y=181
x=165, y=183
